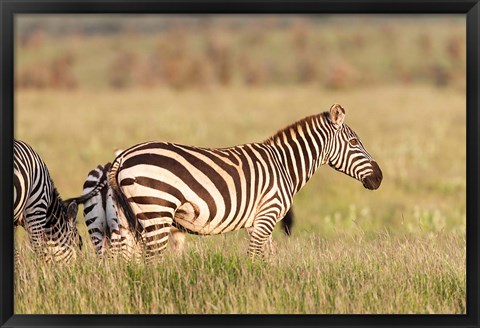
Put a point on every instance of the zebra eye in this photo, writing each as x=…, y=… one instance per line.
x=354, y=142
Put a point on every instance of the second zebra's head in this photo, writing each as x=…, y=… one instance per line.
x=72, y=210
x=347, y=153
x=67, y=224
x=62, y=236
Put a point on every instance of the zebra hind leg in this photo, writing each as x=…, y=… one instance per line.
x=36, y=236
x=178, y=240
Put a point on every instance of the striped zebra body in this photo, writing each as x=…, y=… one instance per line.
x=213, y=191
x=107, y=225
x=39, y=208
x=178, y=236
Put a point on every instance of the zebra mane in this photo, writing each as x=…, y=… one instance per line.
x=302, y=122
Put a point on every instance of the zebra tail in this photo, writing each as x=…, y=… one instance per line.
x=120, y=198
x=82, y=199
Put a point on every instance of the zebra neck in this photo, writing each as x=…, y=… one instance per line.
x=55, y=210
x=300, y=149
x=57, y=231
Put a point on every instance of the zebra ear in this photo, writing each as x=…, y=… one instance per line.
x=337, y=114
x=118, y=152
x=72, y=210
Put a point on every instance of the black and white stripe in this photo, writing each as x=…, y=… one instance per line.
x=108, y=227
x=51, y=224
x=212, y=191
x=106, y=224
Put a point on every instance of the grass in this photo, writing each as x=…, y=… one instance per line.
x=308, y=275
x=400, y=249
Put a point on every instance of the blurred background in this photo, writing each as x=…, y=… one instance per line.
x=335, y=52
x=86, y=85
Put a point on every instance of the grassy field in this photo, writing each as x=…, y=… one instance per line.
x=400, y=249
x=90, y=85
x=349, y=274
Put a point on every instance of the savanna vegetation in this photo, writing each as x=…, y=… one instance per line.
x=400, y=249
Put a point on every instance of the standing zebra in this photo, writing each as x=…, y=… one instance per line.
x=106, y=222
x=212, y=191
x=39, y=208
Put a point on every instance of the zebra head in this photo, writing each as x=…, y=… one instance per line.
x=347, y=153
x=61, y=231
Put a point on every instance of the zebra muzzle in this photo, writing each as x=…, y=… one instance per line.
x=373, y=180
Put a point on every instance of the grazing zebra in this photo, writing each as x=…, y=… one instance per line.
x=212, y=191
x=39, y=209
x=107, y=225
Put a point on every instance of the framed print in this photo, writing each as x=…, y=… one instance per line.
x=255, y=163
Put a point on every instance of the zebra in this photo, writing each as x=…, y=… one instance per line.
x=38, y=207
x=107, y=225
x=208, y=191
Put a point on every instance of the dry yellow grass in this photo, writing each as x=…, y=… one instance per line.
x=400, y=249
x=351, y=274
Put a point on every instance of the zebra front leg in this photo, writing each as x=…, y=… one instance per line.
x=269, y=244
x=36, y=232
x=260, y=235
x=156, y=231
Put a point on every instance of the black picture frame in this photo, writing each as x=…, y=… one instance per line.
x=470, y=8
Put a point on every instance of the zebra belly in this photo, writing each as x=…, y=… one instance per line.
x=187, y=214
